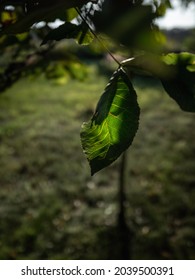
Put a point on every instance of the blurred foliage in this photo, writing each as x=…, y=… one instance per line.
x=68, y=30
x=131, y=22
x=23, y=56
x=187, y=2
x=179, y=39
x=31, y=12
x=61, y=71
x=132, y=25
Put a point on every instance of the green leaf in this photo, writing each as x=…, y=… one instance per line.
x=69, y=14
x=181, y=85
x=84, y=36
x=176, y=72
x=69, y=30
x=114, y=124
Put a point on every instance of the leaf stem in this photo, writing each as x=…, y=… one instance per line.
x=98, y=38
x=125, y=233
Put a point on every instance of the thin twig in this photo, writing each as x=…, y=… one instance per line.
x=98, y=38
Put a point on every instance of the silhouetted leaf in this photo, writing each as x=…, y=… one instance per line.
x=114, y=124
x=37, y=11
x=69, y=30
x=181, y=85
x=176, y=72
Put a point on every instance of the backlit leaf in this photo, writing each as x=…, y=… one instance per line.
x=113, y=125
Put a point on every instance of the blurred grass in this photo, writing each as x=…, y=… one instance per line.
x=50, y=206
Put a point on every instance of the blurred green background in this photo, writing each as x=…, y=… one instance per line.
x=51, y=208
